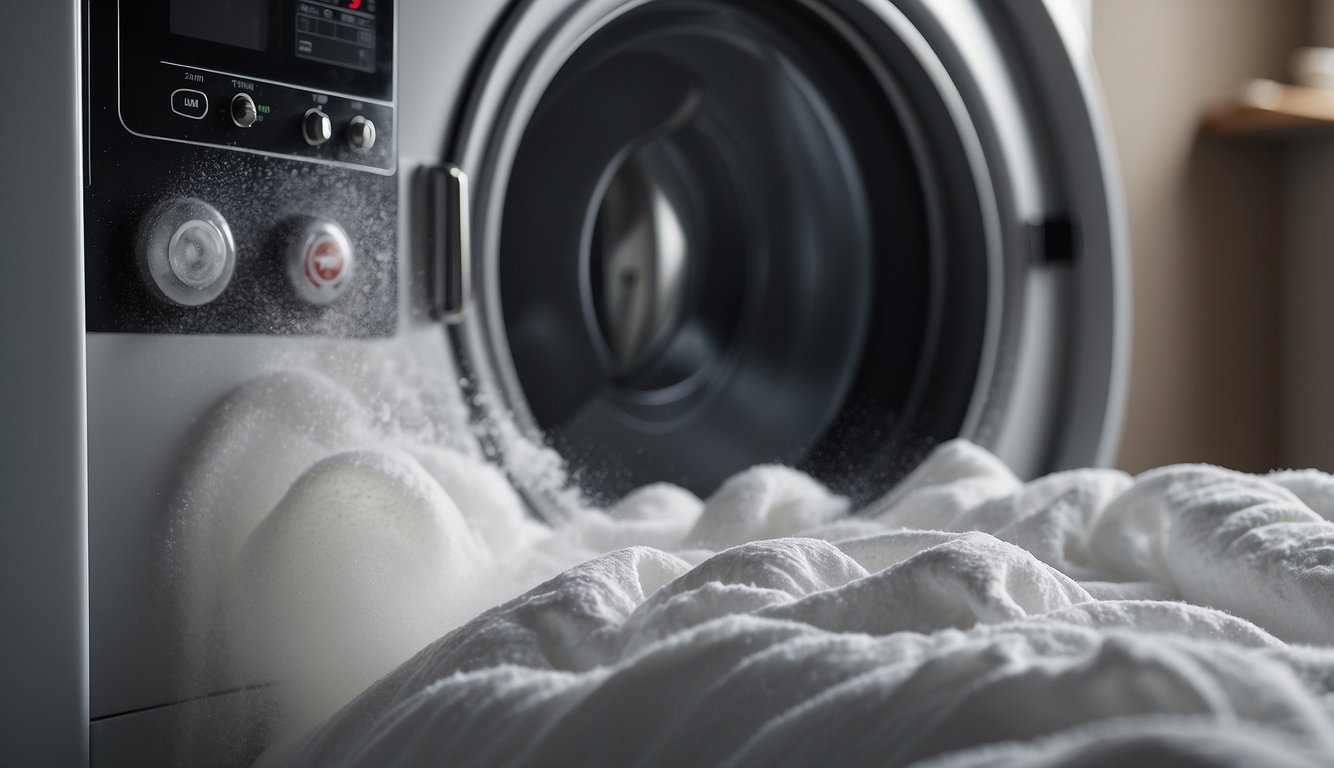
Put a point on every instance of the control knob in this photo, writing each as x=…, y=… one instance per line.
x=243, y=110
x=320, y=260
x=316, y=127
x=361, y=134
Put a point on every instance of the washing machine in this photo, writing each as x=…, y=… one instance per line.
x=664, y=239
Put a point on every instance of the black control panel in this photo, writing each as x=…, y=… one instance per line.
x=242, y=167
x=199, y=106
x=253, y=85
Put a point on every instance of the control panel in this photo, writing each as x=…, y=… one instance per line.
x=191, y=104
x=242, y=167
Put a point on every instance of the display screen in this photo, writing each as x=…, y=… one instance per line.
x=340, y=32
x=243, y=23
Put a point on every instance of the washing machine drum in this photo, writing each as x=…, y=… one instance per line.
x=709, y=234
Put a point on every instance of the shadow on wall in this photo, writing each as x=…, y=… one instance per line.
x=1230, y=315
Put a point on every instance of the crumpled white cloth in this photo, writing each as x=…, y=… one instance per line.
x=1084, y=619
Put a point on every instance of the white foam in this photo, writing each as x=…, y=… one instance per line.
x=364, y=561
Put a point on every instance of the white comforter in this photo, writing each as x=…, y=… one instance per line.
x=1182, y=617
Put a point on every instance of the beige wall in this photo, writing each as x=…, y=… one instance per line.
x=1206, y=226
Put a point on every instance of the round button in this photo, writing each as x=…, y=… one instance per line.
x=197, y=253
x=361, y=134
x=320, y=261
x=316, y=127
x=243, y=110
x=186, y=251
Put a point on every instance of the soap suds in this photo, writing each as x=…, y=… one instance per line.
x=1087, y=618
x=366, y=558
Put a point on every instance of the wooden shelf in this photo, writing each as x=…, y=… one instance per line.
x=1268, y=108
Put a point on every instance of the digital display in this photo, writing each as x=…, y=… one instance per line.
x=242, y=23
x=340, y=32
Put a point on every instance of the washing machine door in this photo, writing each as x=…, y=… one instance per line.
x=708, y=234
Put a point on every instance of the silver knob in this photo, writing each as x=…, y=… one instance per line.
x=316, y=127
x=320, y=260
x=186, y=251
x=361, y=134
x=243, y=110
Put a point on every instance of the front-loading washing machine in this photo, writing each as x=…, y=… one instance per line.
x=665, y=239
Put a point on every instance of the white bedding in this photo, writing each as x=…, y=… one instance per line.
x=1182, y=617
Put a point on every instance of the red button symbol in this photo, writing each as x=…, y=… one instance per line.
x=324, y=262
x=321, y=262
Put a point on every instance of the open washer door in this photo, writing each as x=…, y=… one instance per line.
x=707, y=234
